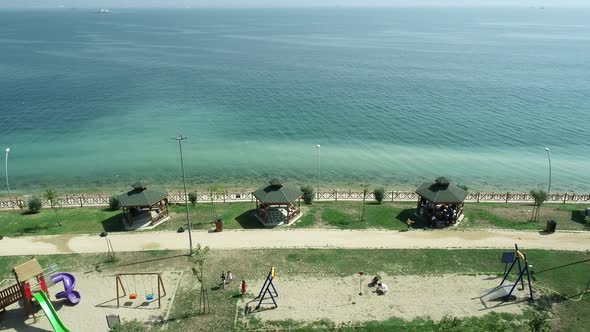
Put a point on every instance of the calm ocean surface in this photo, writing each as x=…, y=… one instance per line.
x=394, y=97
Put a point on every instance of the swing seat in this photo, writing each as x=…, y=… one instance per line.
x=149, y=297
x=132, y=296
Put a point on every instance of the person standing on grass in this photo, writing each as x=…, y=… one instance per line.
x=230, y=277
x=223, y=280
x=243, y=287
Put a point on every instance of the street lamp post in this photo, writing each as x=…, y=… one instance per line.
x=318, y=172
x=7, y=186
x=549, y=159
x=181, y=138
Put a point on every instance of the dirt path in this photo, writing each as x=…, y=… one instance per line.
x=261, y=239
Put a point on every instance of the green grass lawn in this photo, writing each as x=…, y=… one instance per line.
x=341, y=215
x=563, y=276
x=517, y=216
x=87, y=220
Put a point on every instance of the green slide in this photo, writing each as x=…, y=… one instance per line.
x=56, y=323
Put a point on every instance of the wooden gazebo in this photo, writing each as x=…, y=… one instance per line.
x=440, y=203
x=275, y=203
x=144, y=204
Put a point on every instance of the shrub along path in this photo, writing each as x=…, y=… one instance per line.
x=297, y=238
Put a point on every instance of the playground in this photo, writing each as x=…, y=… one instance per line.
x=310, y=288
x=94, y=298
x=409, y=297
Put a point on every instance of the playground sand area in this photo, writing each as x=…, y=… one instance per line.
x=409, y=297
x=99, y=299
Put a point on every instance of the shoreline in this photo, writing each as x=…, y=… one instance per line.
x=120, y=186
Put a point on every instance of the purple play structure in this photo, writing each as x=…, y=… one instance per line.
x=69, y=284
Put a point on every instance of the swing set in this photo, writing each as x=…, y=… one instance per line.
x=266, y=289
x=505, y=292
x=149, y=296
x=521, y=272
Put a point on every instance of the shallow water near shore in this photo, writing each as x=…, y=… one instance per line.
x=395, y=97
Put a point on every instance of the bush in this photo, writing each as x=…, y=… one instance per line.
x=307, y=194
x=35, y=205
x=379, y=194
x=192, y=197
x=539, y=322
x=114, y=203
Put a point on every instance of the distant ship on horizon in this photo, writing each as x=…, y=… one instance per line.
x=103, y=11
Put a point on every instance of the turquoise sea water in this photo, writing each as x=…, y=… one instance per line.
x=394, y=97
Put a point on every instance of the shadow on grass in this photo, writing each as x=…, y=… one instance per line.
x=36, y=229
x=113, y=224
x=248, y=220
x=406, y=214
x=562, y=266
x=100, y=268
x=27, y=213
x=579, y=217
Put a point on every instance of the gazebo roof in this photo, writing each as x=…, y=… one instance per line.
x=141, y=196
x=277, y=193
x=441, y=191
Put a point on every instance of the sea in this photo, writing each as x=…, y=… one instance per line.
x=393, y=97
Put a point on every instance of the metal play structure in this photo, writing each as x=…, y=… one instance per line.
x=266, y=289
x=505, y=291
x=149, y=296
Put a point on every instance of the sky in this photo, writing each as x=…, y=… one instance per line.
x=281, y=3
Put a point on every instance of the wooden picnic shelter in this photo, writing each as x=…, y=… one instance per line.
x=141, y=202
x=275, y=203
x=441, y=201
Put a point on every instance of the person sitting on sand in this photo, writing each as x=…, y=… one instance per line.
x=381, y=288
x=374, y=281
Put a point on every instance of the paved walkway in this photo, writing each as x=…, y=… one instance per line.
x=260, y=239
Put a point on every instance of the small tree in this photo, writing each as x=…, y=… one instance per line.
x=308, y=194
x=53, y=198
x=214, y=191
x=379, y=194
x=365, y=193
x=198, y=260
x=114, y=202
x=192, y=197
x=540, y=196
x=35, y=204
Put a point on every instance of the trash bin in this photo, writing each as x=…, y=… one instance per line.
x=218, y=225
x=551, y=225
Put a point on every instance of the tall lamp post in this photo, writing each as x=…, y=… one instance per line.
x=181, y=138
x=318, y=172
x=549, y=159
x=7, y=186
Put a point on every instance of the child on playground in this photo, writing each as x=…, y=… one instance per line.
x=243, y=287
x=381, y=288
